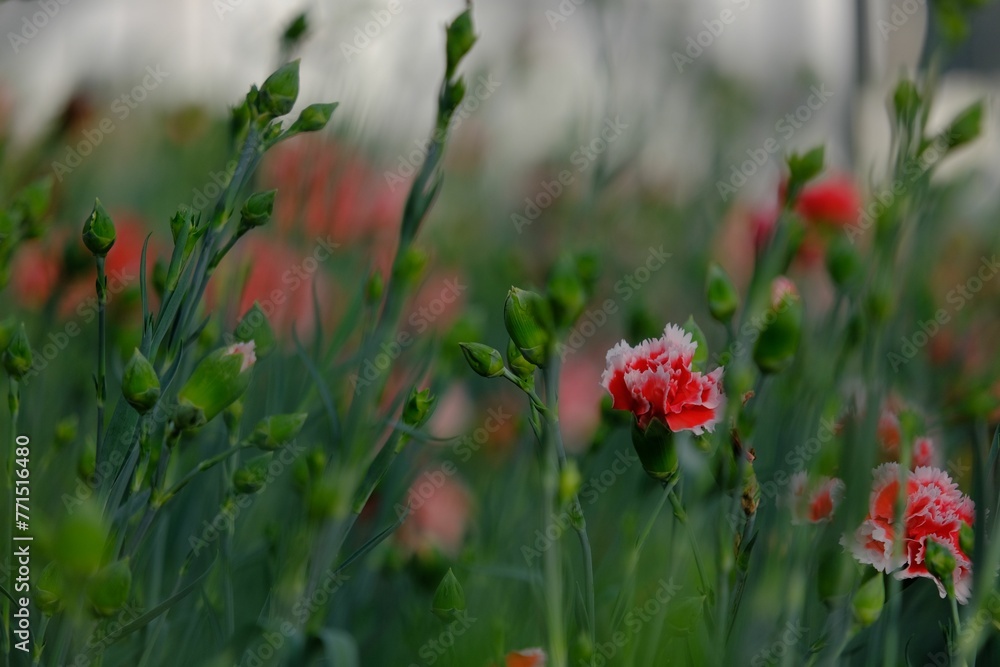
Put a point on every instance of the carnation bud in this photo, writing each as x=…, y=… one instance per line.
x=86, y=463
x=940, y=562
x=65, y=431
x=529, y=324
x=216, y=382
x=79, y=543
x=254, y=326
x=251, y=477
x=965, y=127
x=17, y=357
x=869, y=600
x=842, y=261
x=374, y=288
x=802, y=169
x=410, y=266
x=967, y=539
x=257, y=210
x=419, y=407
x=698, y=338
x=108, y=589
x=460, y=38
x=313, y=118
x=277, y=431
x=521, y=367
x=50, y=591
x=906, y=102
x=449, y=598
x=483, y=359
x=140, y=385
x=99, y=231
x=779, y=340
x=278, y=93
x=570, y=481
x=656, y=450
x=723, y=299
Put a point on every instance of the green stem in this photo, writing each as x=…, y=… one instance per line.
x=102, y=304
x=197, y=470
x=170, y=438
x=14, y=403
x=681, y=515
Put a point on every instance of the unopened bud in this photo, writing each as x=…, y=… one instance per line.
x=140, y=385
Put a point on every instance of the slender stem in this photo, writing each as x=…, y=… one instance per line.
x=668, y=488
x=681, y=515
x=102, y=304
x=170, y=438
x=14, y=403
x=194, y=472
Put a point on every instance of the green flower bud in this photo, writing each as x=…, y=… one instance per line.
x=50, y=591
x=66, y=431
x=656, y=450
x=460, y=38
x=252, y=477
x=449, y=598
x=17, y=357
x=779, y=340
x=8, y=328
x=521, y=367
x=967, y=539
x=254, y=326
x=906, y=102
x=79, y=544
x=802, y=169
x=278, y=93
x=108, y=589
x=140, y=385
x=257, y=210
x=418, y=408
x=483, y=359
x=869, y=600
x=843, y=262
x=99, y=231
x=313, y=118
x=700, y=357
x=570, y=481
x=86, y=464
x=296, y=31
x=216, y=382
x=528, y=320
x=722, y=297
x=940, y=562
x=410, y=266
x=277, y=431
x=966, y=126
x=374, y=288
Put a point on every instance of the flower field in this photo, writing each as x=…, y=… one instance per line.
x=350, y=406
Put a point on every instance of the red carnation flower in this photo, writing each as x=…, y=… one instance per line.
x=654, y=380
x=935, y=508
x=814, y=503
x=834, y=201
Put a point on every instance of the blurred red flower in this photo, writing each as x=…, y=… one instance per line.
x=817, y=502
x=440, y=508
x=835, y=201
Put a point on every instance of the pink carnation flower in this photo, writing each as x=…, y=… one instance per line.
x=935, y=508
x=654, y=380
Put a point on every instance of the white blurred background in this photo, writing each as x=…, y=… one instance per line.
x=563, y=66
